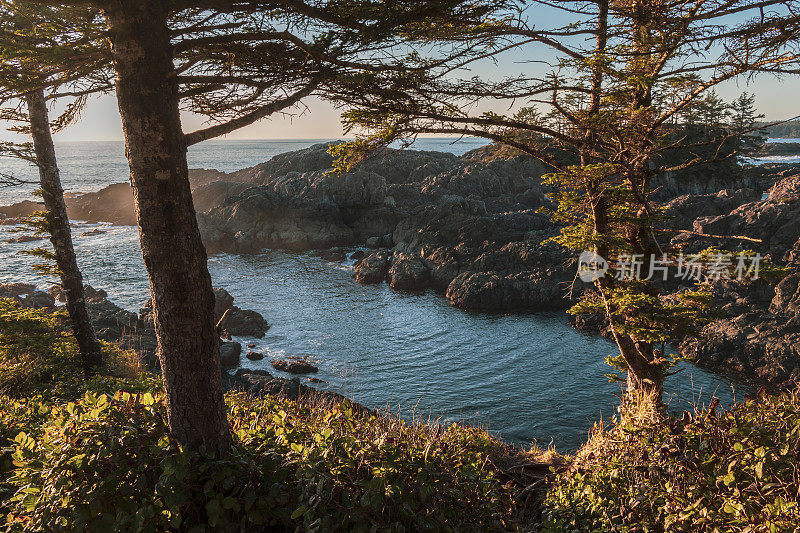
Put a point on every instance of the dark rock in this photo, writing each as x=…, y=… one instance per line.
x=20, y=210
x=89, y=293
x=255, y=356
x=113, y=324
x=373, y=268
x=492, y=291
x=773, y=221
x=295, y=365
x=92, y=232
x=24, y=238
x=773, y=149
x=244, y=323
x=112, y=204
x=761, y=335
x=315, y=380
x=229, y=353
x=222, y=302
x=26, y=295
x=259, y=218
x=408, y=272
x=682, y=211
x=215, y=193
x=13, y=290
x=336, y=255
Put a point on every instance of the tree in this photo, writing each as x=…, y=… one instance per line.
x=624, y=75
x=235, y=62
x=16, y=71
x=743, y=121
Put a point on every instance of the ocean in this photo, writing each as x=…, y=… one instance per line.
x=526, y=377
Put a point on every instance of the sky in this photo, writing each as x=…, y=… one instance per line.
x=776, y=98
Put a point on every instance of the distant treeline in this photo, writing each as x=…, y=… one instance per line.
x=790, y=130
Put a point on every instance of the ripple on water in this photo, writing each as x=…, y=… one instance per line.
x=527, y=377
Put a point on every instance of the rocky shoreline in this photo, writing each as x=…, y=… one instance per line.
x=469, y=227
x=137, y=333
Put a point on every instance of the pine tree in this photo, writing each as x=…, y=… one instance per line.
x=30, y=116
x=626, y=74
x=235, y=62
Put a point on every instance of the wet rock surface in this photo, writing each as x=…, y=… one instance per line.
x=262, y=383
x=243, y=323
x=229, y=352
x=295, y=365
x=469, y=228
x=760, y=335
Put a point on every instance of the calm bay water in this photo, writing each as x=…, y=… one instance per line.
x=526, y=377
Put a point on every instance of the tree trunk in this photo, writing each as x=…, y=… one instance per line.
x=60, y=235
x=180, y=285
x=645, y=376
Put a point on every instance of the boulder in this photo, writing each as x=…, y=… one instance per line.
x=26, y=295
x=89, y=293
x=13, y=290
x=336, y=255
x=493, y=291
x=229, y=353
x=373, y=268
x=222, y=302
x=254, y=356
x=23, y=239
x=244, y=323
x=408, y=272
x=295, y=365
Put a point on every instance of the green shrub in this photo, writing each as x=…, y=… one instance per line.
x=106, y=463
x=733, y=472
x=39, y=356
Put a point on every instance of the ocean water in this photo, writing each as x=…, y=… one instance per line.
x=775, y=158
x=90, y=166
x=529, y=377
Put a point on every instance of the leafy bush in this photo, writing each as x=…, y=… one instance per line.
x=106, y=463
x=703, y=472
x=39, y=356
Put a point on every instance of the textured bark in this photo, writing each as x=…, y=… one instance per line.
x=644, y=375
x=60, y=235
x=174, y=256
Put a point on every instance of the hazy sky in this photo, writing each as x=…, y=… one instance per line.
x=776, y=98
